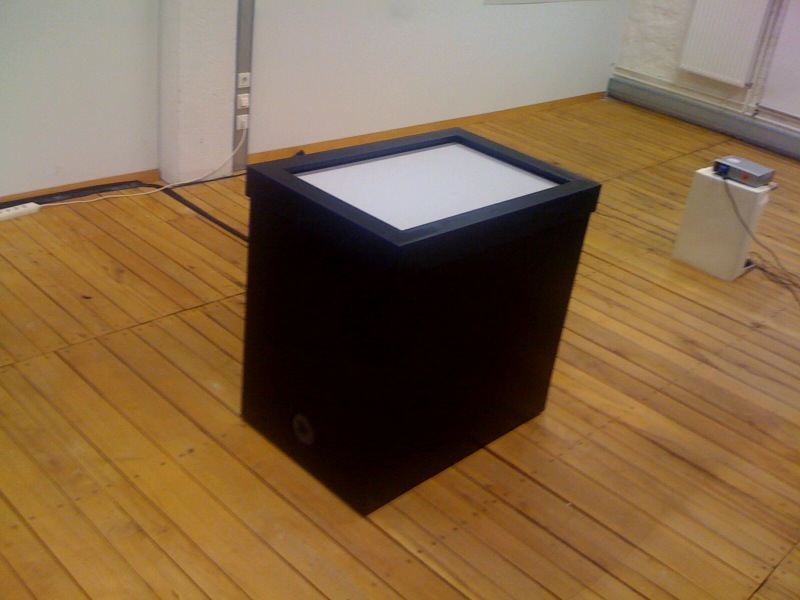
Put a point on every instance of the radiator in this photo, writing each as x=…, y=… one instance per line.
x=724, y=38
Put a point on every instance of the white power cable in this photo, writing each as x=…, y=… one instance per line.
x=161, y=189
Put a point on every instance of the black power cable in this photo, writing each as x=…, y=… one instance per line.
x=70, y=196
x=76, y=193
x=205, y=214
x=59, y=197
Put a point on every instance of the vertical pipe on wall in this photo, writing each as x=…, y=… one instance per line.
x=244, y=61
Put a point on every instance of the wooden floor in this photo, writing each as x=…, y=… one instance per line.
x=666, y=464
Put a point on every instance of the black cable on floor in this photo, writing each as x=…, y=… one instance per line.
x=126, y=185
x=188, y=204
x=77, y=193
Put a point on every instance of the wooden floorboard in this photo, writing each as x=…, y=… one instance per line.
x=666, y=464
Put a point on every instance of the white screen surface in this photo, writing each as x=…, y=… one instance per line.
x=415, y=188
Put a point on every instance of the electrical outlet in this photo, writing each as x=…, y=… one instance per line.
x=242, y=121
x=243, y=80
x=242, y=101
x=18, y=211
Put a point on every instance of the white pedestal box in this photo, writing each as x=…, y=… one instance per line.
x=711, y=237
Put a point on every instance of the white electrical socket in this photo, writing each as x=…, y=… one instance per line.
x=18, y=211
x=243, y=80
x=242, y=101
x=242, y=121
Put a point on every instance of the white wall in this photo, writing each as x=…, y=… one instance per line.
x=78, y=91
x=329, y=69
x=782, y=87
x=651, y=49
x=648, y=74
x=79, y=79
x=653, y=38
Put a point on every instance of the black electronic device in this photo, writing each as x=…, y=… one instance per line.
x=398, y=317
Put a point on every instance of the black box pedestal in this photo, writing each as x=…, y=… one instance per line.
x=376, y=357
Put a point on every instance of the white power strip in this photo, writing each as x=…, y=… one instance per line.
x=18, y=211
